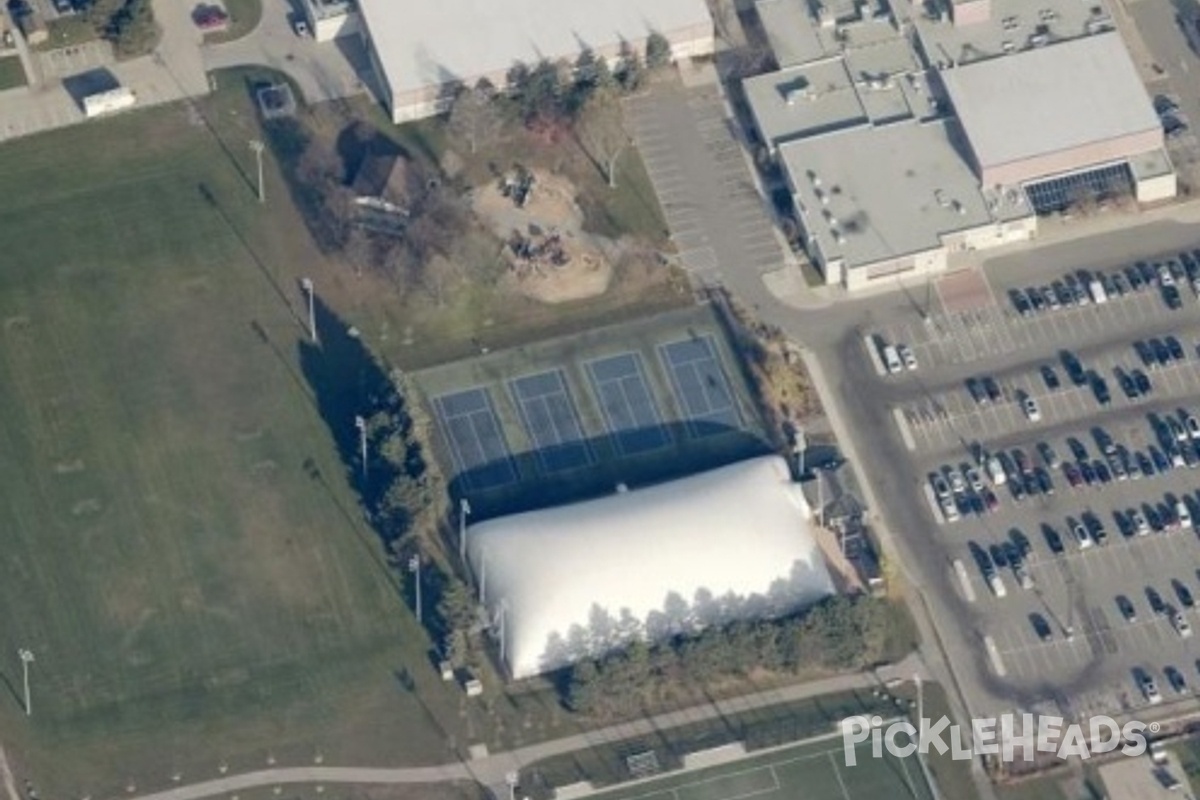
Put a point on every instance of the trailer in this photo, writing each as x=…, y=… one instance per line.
x=109, y=102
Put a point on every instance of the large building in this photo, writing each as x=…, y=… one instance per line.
x=576, y=581
x=906, y=136
x=421, y=51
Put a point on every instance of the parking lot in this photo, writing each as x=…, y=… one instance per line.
x=1069, y=568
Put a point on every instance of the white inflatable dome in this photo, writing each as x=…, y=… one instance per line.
x=578, y=580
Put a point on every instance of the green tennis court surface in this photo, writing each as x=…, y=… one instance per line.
x=813, y=771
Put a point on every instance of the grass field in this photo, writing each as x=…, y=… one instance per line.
x=12, y=74
x=812, y=771
x=244, y=16
x=194, y=591
x=182, y=550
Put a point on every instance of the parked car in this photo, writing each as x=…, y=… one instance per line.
x=1041, y=628
x=1050, y=378
x=1030, y=407
x=1126, y=608
x=907, y=357
x=1147, y=687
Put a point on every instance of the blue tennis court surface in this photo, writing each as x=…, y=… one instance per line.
x=468, y=422
x=701, y=386
x=551, y=421
x=630, y=413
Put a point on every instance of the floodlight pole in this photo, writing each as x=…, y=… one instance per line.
x=798, y=448
x=257, y=146
x=920, y=699
x=512, y=779
x=26, y=660
x=464, y=510
x=310, y=290
x=414, y=566
x=361, y=424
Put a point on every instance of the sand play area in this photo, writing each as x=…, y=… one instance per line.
x=550, y=258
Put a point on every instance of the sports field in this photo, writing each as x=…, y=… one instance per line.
x=180, y=546
x=812, y=771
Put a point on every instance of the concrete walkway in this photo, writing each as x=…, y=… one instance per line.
x=491, y=770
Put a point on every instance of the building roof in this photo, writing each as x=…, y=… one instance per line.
x=886, y=191
x=432, y=43
x=1049, y=99
x=802, y=101
x=581, y=579
x=1011, y=26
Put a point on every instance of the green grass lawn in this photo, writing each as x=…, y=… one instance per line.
x=67, y=32
x=244, y=16
x=12, y=74
x=193, y=595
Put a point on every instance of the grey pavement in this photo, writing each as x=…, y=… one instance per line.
x=716, y=215
x=491, y=770
x=323, y=71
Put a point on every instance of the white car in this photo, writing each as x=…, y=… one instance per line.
x=1082, y=537
x=1149, y=690
x=907, y=356
x=950, y=510
x=1030, y=407
x=1140, y=525
x=957, y=484
x=891, y=360
x=1181, y=625
x=1165, y=278
x=996, y=471
x=1183, y=515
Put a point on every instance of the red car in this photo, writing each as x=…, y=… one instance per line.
x=1071, y=473
x=210, y=18
x=990, y=500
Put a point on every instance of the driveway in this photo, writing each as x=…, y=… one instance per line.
x=323, y=71
x=712, y=206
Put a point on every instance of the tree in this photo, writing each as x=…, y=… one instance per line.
x=658, y=51
x=601, y=133
x=539, y=90
x=630, y=73
x=474, y=117
x=591, y=75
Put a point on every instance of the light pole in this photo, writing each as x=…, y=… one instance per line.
x=464, y=511
x=798, y=448
x=257, y=146
x=361, y=424
x=414, y=566
x=26, y=660
x=307, y=285
x=512, y=779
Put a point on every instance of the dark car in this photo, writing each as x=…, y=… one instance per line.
x=1041, y=627
x=1126, y=382
x=1020, y=541
x=1050, y=377
x=1174, y=348
x=1183, y=593
x=1175, y=680
x=1101, y=471
x=1145, y=354
x=1087, y=472
x=977, y=391
x=1100, y=390
x=1126, y=608
x=999, y=556
x=1145, y=464
x=1020, y=302
x=1045, y=484
x=1134, y=276
x=1172, y=298
x=1141, y=382
x=1155, y=600
x=1078, y=449
x=1162, y=356
x=992, y=388
x=1161, y=462
x=1074, y=367
x=1164, y=104
x=1053, y=540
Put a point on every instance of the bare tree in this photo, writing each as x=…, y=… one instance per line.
x=475, y=118
x=601, y=132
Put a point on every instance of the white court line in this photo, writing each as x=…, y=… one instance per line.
x=837, y=772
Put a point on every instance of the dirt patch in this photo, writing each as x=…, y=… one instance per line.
x=550, y=258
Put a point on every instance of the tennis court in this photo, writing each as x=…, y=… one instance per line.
x=549, y=417
x=701, y=385
x=810, y=771
x=469, y=424
x=630, y=413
